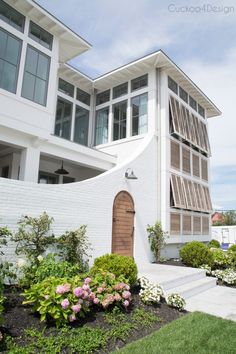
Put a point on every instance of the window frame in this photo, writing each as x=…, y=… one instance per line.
x=95, y=130
x=132, y=115
x=139, y=79
x=10, y=22
x=40, y=41
x=120, y=120
x=125, y=84
x=61, y=118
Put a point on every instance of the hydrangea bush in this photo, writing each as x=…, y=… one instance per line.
x=150, y=293
x=175, y=300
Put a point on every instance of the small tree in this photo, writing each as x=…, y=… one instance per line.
x=33, y=237
x=156, y=239
x=74, y=246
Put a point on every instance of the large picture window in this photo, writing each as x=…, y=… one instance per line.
x=119, y=120
x=63, y=118
x=101, y=129
x=10, y=51
x=139, y=114
x=81, y=125
x=36, y=74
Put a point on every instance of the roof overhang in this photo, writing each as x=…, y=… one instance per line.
x=70, y=43
x=157, y=59
x=76, y=77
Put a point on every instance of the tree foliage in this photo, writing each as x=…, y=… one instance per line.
x=156, y=237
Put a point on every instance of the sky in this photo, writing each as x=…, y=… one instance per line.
x=200, y=37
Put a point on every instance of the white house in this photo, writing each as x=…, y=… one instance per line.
x=145, y=118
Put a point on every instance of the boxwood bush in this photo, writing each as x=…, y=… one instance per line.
x=119, y=265
x=214, y=244
x=195, y=254
x=232, y=248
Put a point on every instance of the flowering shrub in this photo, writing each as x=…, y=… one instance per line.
x=228, y=276
x=175, y=300
x=65, y=300
x=219, y=257
x=207, y=268
x=150, y=293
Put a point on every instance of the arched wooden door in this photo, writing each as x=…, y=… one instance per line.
x=123, y=224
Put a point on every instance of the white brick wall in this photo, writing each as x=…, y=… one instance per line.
x=90, y=202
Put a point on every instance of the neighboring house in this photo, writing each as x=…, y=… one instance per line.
x=217, y=218
x=146, y=117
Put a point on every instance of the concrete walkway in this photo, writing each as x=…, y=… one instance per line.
x=200, y=292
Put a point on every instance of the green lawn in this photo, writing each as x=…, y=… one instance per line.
x=195, y=333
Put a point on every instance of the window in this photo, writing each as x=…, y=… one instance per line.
x=172, y=85
x=139, y=114
x=196, y=167
x=196, y=225
x=66, y=87
x=201, y=111
x=204, y=169
x=41, y=36
x=139, y=82
x=81, y=125
x=10, y=51
x=36, y=74
x=192, y=103
x=175, y=155
x=11, y=16
x=183, y=94
x=63, y=118
x=119, y=120
x=187, y=224
x=101, y=129
x=47, y=178
x=83, y=96
x=120, y=90
x=5, y=172
x=175, y=223
x=103, y=97
x=186, y=160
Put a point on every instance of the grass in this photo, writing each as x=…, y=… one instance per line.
x=196, y=333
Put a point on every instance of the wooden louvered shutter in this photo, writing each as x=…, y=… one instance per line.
x=185, y=115
x=180, y=118
x=192, y=129
x=204, y=168
x=195, y=167
x=174, y=224
x=195, y=121
x=197, y=225
x=174, y=115
x=201, y=135
x=208, y=199
x=186, y=160
x=205, y=134
x=198, y=196
x=205, y=225
x=192, y=195
x=204, y=201
x=187, y=224
x=201, y=196
x=177, y=191
x=175, y=155
x=187, y=192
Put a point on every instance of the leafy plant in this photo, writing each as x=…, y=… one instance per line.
x=214, y=244
x=195, y=254
x=141, y=317
x=219, y=258
x=118, y=265
x=156, y=237
x=232, y=248
x=33, y=237
x=175, y=300
x=74, y=246
x=6, y=268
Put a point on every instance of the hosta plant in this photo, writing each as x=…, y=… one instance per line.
x=175, y=300
x=150, y=293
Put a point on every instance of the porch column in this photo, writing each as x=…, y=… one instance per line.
x=29, y=164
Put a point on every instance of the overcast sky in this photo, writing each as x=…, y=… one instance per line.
x=201, y=39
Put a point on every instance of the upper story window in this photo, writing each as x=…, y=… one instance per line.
x=201, y=111
x=66, y=87
x=139, y=82
x=10, y=51
x=192, y=103
x=120, y=90
x=101, y=127
x=103, y=97
x=36, y=74
x=63, y=118
x=83, y=96
x=172, y=85
x=119, y=120
x=41, y=36
x=81, y=125
x=11, y=16
x=139, y=114
x=183, y=94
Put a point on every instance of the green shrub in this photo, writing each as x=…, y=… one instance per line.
x=195, y=254
x=119, y=265
x=231, y=259
x=214, y=244
x=232, y=248
x=156, y=237
x=219, y=258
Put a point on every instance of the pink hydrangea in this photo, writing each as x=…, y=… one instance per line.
x=85, y=295
x=100, y=290
x=78, y=291
x=126, y=295
x=91, y=296
x=87, y=280
x=65, y=304
x=126, y=303
x=76, y=308
x=117, y=297
x=72, y=317
x=96, y=301
x=119, y=286
x=80, y=301
x=61, y=289
x=86, y=287
x=127, y=287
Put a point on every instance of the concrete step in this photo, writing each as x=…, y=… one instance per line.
x=191, y=288
x=182, y=279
